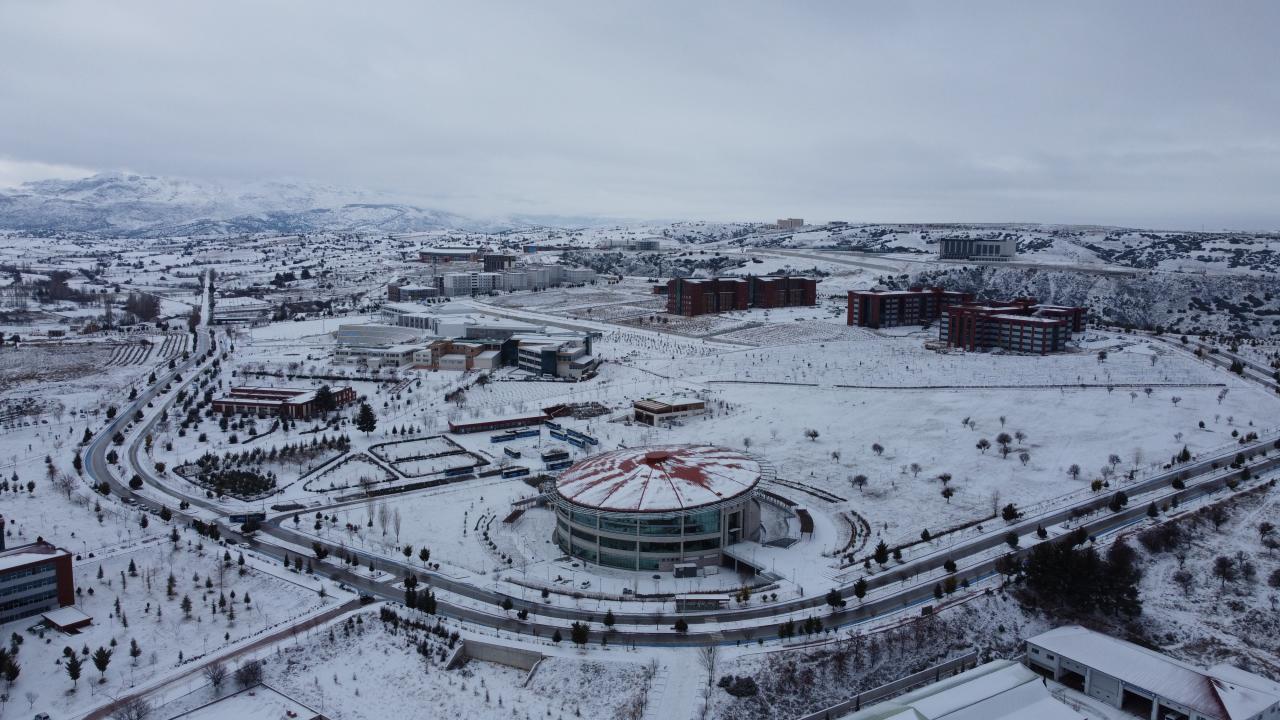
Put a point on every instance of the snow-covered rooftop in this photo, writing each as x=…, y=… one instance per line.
x=998, y=690
x=1212, y=693
x=659, y=478
x=28, y=554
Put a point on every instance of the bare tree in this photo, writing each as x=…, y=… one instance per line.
x=135, y=709
x=249, y=674
x=65, y=483
x=384, y=518
x=708, y=656
x=216, y=674
x=395, y=523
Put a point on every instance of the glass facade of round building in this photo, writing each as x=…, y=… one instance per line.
x=614, y=509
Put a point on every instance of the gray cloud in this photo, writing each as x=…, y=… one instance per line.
x=1159, y=114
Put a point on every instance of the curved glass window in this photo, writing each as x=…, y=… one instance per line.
x=705, y=544
x=616, y=544
x=660, y=547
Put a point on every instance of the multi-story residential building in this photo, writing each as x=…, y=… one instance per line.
x=1020, y=325
x=496, y=263
x=790, y=223
x=774, y=291
x=890, y=308
x=699, y=296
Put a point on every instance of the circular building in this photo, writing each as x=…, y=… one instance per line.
x=653, y=508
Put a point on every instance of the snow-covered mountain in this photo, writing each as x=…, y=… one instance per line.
x=131, y=205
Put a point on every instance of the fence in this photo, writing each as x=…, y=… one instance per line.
x=951, y=667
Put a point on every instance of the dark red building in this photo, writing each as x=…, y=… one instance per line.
x=699, y=296
x=1019, y=325
x=293, y=403
x=890, y=308
x=773, y=291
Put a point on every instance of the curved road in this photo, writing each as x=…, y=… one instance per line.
x=1201, y=477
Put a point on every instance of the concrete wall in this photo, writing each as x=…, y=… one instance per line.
x=503, y=655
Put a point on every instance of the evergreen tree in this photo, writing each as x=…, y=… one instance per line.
x=101, y=659
x=74, y=666
x=881, y=555
x=366, y=421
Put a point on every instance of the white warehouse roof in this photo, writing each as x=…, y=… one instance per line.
x=1230, y=695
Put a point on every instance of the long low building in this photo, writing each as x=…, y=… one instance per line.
x=655, y=411
x=1148, y=684
x=293, y=403
x=998, y=690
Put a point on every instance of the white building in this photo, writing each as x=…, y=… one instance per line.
x=228, y=310
x=998, y=690
x=377, y=346
x=1146, y=683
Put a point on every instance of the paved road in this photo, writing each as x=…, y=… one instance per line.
x=1201, y=476
x=271, y=638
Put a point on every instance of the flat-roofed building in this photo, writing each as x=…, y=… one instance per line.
x=1149, y=684
x=1019, y=325
x=700, y=296
x=450, y=254
x=993, y=249
x=411, y=293
x=657, y=410
x=891, y=308
x=293, y=403
x=34, y=579
x=775, y=291
x=790, y=223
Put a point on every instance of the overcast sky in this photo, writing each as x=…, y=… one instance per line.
x=1157, y=114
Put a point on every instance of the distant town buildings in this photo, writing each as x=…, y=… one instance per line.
x=426, y=337
x=500, y=274
x=999, y=249
x=34, y=579
x=790, y=223
x=292, y=403
x=700, y=296
x=450, y=254
x=649, y=244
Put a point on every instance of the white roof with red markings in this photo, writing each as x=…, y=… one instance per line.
x=660, y=478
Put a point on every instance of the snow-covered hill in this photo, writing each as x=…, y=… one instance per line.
x=131, y=205
x=1067, y=245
